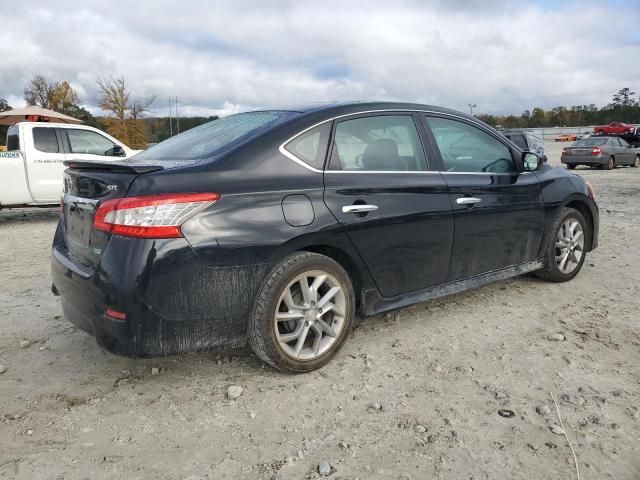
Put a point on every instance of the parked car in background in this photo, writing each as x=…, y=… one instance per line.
x=569, y=137
x=614, y=128
x=276, y=227
x=31, y=169
x=600, y=151
x=526, y=140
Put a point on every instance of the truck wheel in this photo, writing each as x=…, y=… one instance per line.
x=611, y=163
x=566, y=247
x=636, y=162
x=303, y=313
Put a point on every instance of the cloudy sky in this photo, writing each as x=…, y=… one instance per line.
x=226, y=56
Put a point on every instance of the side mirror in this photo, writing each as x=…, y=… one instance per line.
x=531, y=161
x=117, y=151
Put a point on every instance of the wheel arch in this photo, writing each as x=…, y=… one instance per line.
x=345, y=260
x=582, y=207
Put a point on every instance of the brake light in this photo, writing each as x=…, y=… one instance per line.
x=115, y=314
x=151, y=216
x=565, y=151
x=596, y=151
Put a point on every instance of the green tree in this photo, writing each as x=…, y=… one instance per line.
x=4, y=105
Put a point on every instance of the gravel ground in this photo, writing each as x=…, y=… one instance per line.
x=413, y=395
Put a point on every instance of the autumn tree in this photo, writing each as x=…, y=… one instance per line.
x=56, y=96
x=126, y=114
x=39, y=92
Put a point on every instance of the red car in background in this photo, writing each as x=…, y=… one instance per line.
x=614, y=128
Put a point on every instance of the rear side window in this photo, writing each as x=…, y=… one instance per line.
x=13, y=139
x=378, y=143
x=311, y=146
x=88, y=142
x=45, y=140
x=205, y=141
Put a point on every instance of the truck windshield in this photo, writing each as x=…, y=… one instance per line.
x=208, y=139
x=13, y=139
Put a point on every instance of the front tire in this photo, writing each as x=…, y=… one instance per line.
x=636, y=162
x=303, y=313
x=566, y=248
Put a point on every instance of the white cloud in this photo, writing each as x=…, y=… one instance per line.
x=222, y=57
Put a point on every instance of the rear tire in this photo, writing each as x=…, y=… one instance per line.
x=636, y=162
x=571, y=166
x=566, y=249
x=298, y=329
x=611, y=164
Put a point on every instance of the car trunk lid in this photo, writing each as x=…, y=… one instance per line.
x=86, y=185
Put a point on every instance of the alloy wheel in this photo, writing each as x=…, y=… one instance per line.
x=569, y=245
x=309, y=315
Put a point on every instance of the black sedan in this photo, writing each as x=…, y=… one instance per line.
x=278, y=227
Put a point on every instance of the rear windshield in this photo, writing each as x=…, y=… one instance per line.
x=206, y=140
x=590, y=142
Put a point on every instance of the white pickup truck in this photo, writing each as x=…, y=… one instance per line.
x=31, y=170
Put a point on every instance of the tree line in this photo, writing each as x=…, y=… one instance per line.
x=624, y=107
x=128, y=118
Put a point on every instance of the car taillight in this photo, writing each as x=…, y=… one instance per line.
x=596, y=151
x=565, y=151
x=151, y=216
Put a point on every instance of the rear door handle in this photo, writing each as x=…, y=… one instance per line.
x=468, y=200
x=359, y=208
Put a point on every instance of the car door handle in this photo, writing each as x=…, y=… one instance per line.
x=468, y=200
x=359, y=208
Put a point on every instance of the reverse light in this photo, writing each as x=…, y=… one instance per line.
x=596, y=151
x=151, y=216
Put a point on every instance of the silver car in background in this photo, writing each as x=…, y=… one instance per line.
x=601, y=151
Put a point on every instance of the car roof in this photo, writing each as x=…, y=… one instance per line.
x=350, y=107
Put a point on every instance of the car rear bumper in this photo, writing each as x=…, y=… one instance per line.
x=172, y=303
x=584, y=159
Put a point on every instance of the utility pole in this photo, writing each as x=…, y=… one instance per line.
x=177, y=117
x=471, y=107
x=170, y=122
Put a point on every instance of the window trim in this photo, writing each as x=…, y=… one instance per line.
x=425, y=134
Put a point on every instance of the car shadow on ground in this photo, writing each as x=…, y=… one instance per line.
x=29, y=215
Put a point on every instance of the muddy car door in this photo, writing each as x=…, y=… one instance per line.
x=395, y=210
x=498, y=209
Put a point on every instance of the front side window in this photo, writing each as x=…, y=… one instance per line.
x=380, y=143
x=311, y=146
x=88, y=142
x=45, y=140
x=465, y=148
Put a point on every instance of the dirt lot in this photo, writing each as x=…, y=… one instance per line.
x=413, y=395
